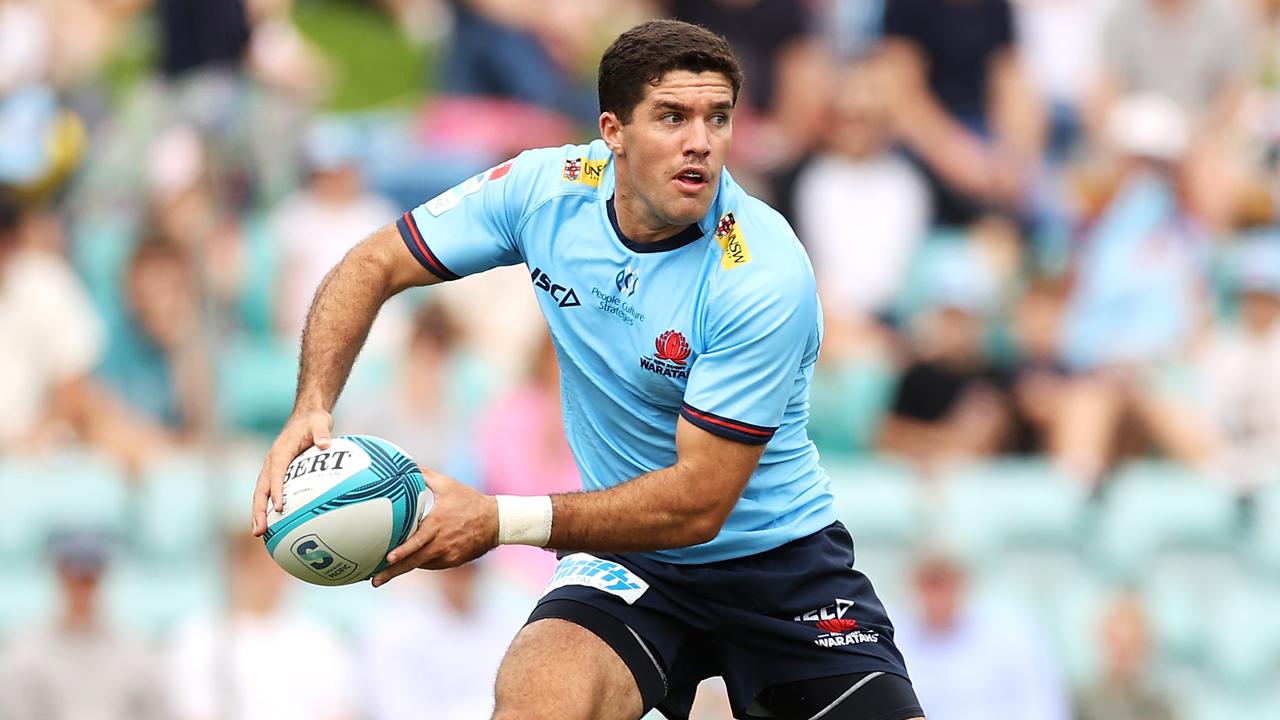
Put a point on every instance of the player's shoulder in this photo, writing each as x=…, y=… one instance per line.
x=755, y=244
x=564, y=170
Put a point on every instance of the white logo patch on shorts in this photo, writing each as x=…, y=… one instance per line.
x=603, y=575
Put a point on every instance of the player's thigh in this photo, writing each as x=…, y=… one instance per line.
x=559, y=670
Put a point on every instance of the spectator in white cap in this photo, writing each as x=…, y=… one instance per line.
x=1195, y=54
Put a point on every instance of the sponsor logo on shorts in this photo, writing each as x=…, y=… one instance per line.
x=603, y=575
x=670, y=356
x=729, y=235
x=584, y=171
x=451, y=198
x=322, y=559
x=837, y=630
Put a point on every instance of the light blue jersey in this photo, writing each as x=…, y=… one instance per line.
x=719, y=324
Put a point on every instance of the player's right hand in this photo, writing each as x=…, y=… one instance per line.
x=313, y=427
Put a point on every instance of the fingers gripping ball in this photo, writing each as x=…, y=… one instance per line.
x=345, y=508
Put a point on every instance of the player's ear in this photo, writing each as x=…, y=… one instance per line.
x=611, y=132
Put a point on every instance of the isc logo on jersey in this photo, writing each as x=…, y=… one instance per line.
x=564, y=295
x=729, y=235
x=584, y=171
x=450, y=198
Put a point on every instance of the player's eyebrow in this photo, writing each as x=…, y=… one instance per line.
x=674, y=105
x=669, y=105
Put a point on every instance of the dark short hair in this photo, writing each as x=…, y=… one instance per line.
x=646, y=52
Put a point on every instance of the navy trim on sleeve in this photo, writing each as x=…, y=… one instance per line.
x=726, y=427
x=413, y=240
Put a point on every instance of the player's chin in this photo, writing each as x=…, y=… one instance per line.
x=688, y=210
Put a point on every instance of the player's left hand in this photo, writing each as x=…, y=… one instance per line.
x=461, y=526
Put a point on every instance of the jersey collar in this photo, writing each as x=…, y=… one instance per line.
x=679, y=240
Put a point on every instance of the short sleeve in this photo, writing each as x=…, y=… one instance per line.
x=757, y=339
x=471, y=227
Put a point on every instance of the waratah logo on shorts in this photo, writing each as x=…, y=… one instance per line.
x=837, y=630
x=670, y=356
x=837, y=625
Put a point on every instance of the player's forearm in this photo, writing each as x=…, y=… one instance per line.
x=338, y=322
x=655, y=511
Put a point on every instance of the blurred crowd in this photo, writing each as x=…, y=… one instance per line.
x=1046, y=230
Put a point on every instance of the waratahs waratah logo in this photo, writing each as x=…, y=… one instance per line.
x=672, y=347
x=837, y=625
x=671, y=351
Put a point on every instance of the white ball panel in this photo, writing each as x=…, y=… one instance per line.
x=339, y=547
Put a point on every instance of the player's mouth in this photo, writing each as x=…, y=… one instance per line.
x=692, y=179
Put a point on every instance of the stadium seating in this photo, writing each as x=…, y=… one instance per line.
x=1263, y=544
x=1242, y=642
x=1009, y=505
x=151, y=600
x=846, y=406
x=174, y=522
x=256, y=381
x=29, y=597
x=878, y=499
x=1154, y=508
x=65, y=491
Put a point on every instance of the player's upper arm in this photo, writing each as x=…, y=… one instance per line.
x=718, y=468
x=395, y=263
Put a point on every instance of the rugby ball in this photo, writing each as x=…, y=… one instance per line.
x=345, y=508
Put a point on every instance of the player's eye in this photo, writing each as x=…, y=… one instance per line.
x=720, y=119
x=671, y=118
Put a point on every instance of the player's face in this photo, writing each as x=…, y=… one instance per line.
x=671, y=153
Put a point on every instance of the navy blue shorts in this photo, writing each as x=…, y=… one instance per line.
x=797, y=612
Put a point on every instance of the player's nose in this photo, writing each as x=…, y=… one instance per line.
x=697, y=139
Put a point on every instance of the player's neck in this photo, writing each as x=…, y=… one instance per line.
x=637, y=221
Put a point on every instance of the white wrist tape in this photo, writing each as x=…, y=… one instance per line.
x=524, y=520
